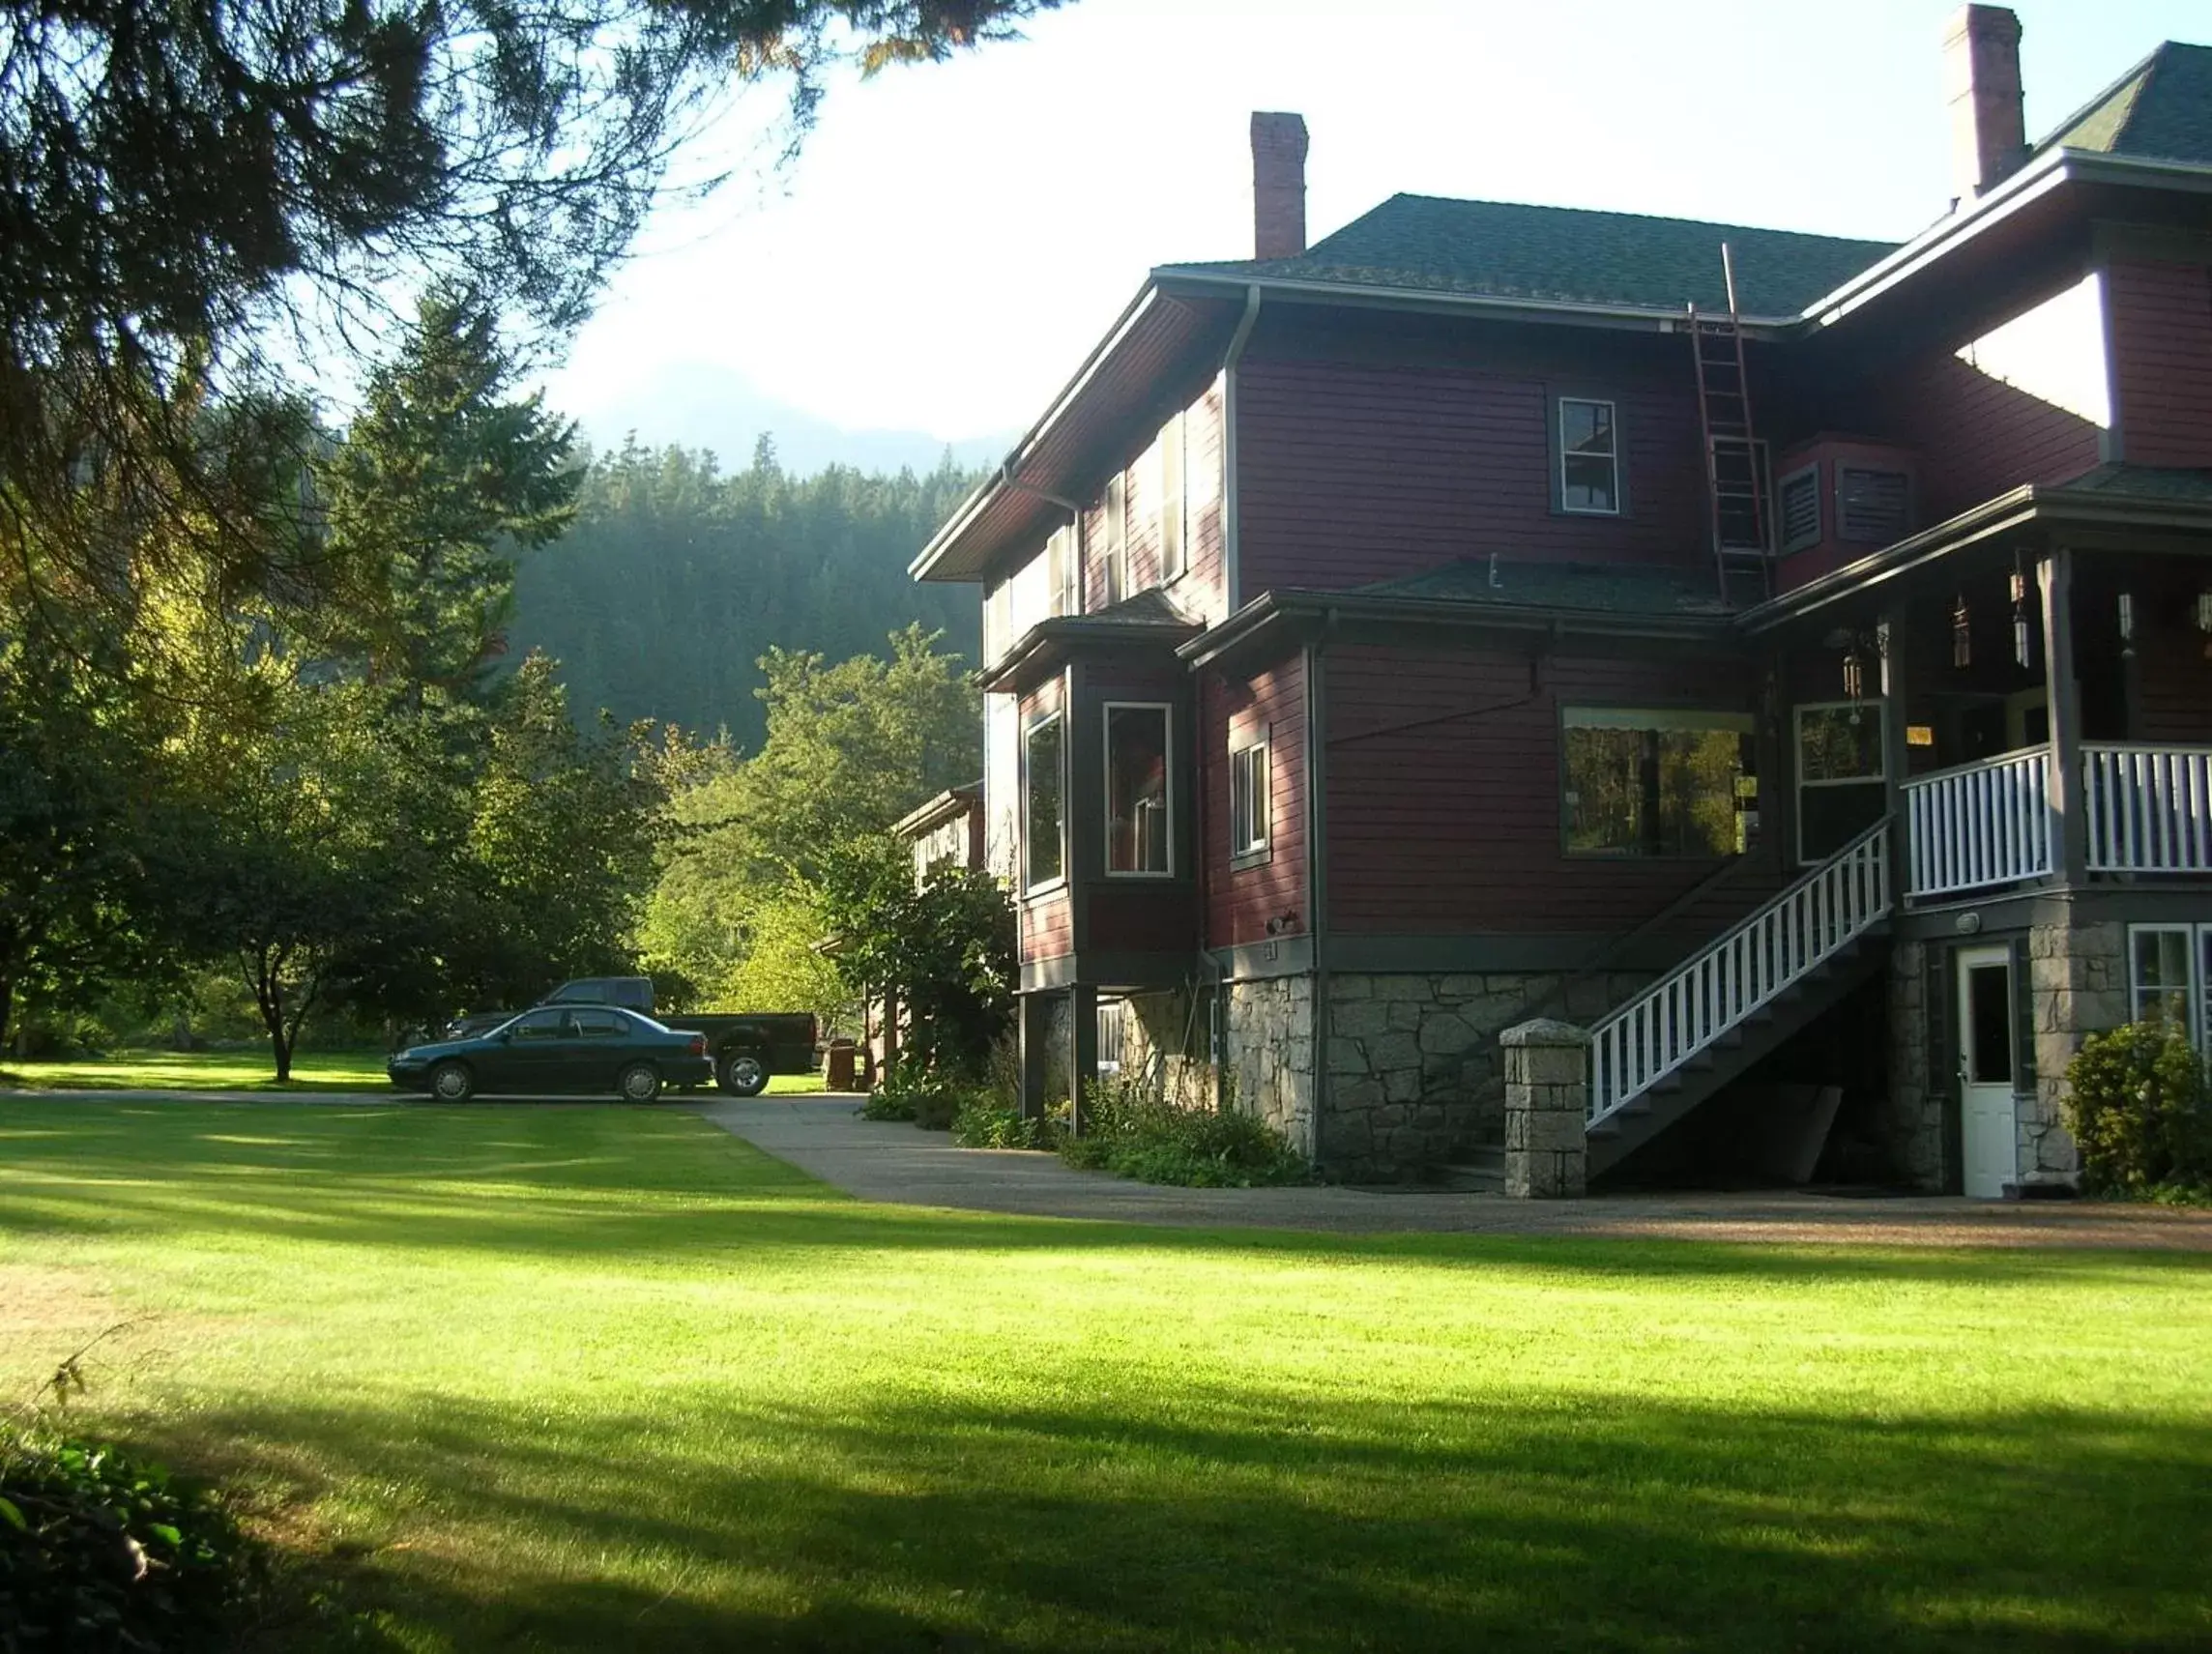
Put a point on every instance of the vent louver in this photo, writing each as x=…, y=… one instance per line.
x=1873, y=507
x=1802, y=509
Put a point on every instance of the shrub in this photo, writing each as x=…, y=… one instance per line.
x=1133, y=1132
x=100, y=1551
x=924, y=1097
x=986, y=1122
x=2141, y=1112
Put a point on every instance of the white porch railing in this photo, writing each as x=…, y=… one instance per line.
x=1980, y=823
x=1717, y=988
x=2148, y=808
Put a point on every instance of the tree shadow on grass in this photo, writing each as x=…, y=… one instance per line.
x=1215, y=1519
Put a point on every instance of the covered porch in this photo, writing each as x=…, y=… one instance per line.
x=2033, y=694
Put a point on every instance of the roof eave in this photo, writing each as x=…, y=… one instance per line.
x=2031, y=502
x=931, y=556
x=1282, y=608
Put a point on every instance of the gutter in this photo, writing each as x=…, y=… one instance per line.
x=1662, y=319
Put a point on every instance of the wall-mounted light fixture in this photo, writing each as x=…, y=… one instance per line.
x=2022, y=643
x=2127, y=626
x=1962, y=634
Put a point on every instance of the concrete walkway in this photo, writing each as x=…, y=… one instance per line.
x=896, y=1163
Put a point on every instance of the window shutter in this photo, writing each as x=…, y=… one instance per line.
x=1172, y=525
x=1801, y=508
x=1115, y=551
x=1873, y=507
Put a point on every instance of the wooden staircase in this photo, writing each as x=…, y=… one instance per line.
x=1704, y=1023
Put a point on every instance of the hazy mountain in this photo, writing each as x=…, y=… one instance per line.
x=701, y=405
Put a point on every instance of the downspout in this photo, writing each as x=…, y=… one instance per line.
x=1317, y=861
x=1230, y=581
x=1232, y=576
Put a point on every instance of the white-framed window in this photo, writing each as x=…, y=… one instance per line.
x=1842, y=771
x=1589, y=457
x=1655, y=781
x=1044, y=802
x=1175, y=507
x=1251, y=801
x=1060, y=571
x=1116, y=550
x=2169, y=976
x=1140, y=754
x=998, y=620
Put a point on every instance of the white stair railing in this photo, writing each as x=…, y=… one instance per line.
x=1979, y=824
x=2149, y=809
x=1719, y=987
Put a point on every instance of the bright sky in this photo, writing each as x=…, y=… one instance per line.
x=955, y=238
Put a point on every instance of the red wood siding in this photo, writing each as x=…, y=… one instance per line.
x=1976, y=436
x=1443, y=795
x=2162, y=360
x=1350, y=473
x=1240, y=901
x=1048, y=926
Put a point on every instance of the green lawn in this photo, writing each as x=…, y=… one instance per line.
x=242, y=1071
x=602, y=1379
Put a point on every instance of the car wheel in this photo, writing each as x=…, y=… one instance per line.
x=640, y=1083
x=744, y=1074
x=453, y=1083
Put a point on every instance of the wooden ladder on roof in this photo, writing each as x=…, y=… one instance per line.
x=1736, y=482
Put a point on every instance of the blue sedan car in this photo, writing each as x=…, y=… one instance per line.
x=601, y=1049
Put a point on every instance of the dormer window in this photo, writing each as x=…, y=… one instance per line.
x=1589, y=457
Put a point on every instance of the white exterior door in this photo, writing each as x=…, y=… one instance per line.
x=1987, y=1050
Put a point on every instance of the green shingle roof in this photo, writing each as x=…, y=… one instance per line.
x=1503, y=249
x=2159, y=111
x=1605, y=588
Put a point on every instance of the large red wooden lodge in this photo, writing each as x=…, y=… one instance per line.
x=1392, y=640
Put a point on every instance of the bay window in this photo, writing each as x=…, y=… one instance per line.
x=1137, y=791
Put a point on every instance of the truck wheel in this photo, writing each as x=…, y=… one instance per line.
x=640, y=1083
x=453, y=1083
x=744, y=1074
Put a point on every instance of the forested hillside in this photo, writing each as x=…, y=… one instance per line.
x=677, y=578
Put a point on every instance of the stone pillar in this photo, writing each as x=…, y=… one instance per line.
x=1547, y=1103
x=2078, y=985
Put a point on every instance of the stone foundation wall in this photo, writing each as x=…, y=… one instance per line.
x=2078, y=985
x=1271, y=1054
x=1912, y=1116
x=1416, y=1076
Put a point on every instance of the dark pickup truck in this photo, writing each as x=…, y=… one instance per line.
x=746, y=1047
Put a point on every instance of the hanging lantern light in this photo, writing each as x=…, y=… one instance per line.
x=2021, y=641
x=2127, y=626
x=2204, y=610
x=1962, y=635
x=1854, y=678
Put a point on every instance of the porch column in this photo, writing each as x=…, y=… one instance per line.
x=1082, y=1050
x=1895, y=750
x=2055, y=575
x=1034, y=1016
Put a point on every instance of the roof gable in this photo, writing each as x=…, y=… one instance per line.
x=2159, y=111
x=1569, y=254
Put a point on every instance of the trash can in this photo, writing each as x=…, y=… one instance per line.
x=837, y=1065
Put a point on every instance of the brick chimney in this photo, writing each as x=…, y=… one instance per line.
x=1278, y=185
x=1981, y=79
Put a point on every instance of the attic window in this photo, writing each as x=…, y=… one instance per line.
x=1873, y=507
x=1590, y=458
x=1801, y=508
